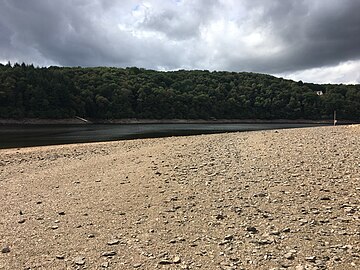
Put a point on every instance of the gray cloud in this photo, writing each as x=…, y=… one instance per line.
x=282, y=37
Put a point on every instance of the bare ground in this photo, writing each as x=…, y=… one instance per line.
x=286, y=199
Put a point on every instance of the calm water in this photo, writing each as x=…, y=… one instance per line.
x=36, y=135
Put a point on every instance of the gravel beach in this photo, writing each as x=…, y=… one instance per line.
x=279, y=199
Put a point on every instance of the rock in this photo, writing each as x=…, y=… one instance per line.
x=223, y=242
x=220, y=216
x=305, y=267
x=5, y=249
x=286, y=230
x=310, y=258
x=61, y=213
x=105, y=265
x=262, y=242
x=229, y=237
x=91, y=235
x=113, y=242
x=108, y=253
x=79, y=260
x=21, y=221
x=60, y=256
x=303, y=221
x=165, y=261
x=54, y=227
x=177, y=259
x=251, y=229
x=289, y=256
x=137, y=265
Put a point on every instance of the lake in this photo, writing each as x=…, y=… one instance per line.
x=12, y=136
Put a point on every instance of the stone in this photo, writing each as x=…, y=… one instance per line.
x=113, y=242
x=5, y=249
x=289, y=256
x=79, y=260
x=165, y=261
x=21, y=221
x=60, y=256
x=137, y=265
x=105, y=265
x=310, y=258
x=286, y=230
x=177, y=259
x=251, y=229
x=229, y=237
x=108, y=253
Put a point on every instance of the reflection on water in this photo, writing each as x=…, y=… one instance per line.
x=36, y=135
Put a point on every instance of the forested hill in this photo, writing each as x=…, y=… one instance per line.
x=115, y=93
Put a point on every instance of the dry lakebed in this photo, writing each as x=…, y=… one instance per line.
x=277, y=199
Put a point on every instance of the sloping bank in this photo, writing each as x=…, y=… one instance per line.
x=252, y=200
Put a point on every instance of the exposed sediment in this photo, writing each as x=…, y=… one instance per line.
x=286, y=199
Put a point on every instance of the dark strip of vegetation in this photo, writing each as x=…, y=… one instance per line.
x=116, y=93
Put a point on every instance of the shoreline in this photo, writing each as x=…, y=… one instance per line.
x=75, y=121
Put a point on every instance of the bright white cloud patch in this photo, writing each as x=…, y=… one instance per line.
x=348, y=72
x=296, y=39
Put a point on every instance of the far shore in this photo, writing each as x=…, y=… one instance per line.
x=76, y=121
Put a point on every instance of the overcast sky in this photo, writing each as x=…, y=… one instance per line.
x=309, y=40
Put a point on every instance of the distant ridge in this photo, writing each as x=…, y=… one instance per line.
x=127, y=93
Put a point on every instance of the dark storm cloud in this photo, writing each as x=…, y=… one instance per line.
x=59, y=31
x=181, y=25
x=312, y=33
x=254, y=35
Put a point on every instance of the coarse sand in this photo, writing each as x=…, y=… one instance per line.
x=279, y=199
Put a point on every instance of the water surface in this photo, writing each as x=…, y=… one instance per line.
x=37, y=135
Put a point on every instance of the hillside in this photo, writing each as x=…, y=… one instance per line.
x=117, y=93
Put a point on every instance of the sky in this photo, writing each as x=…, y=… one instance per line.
x=310, y=40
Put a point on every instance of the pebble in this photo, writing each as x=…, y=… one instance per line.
x=105, y=265
x=113, y=242
x=79, y=260
x=286, y=230
x=137, y=265
x=310, y=258
x=5, y=249
x=21, y=221
x=108, y=253
x=177, y=259
x=60, y=257
x=252, y=229
x=165, y=261
x=289, y=256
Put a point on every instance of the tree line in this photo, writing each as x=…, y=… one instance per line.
x=117, y=93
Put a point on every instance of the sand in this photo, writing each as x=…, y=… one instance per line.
x=284, y=199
